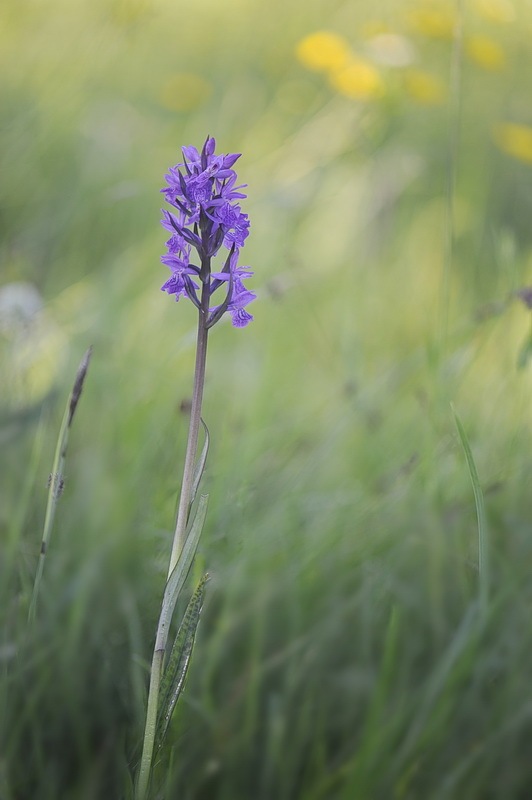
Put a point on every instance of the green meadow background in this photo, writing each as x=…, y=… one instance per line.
x=345, y=649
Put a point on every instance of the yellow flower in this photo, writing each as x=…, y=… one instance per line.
x=485, y=52
x=499, y=11
x=323, y=50
x=358, y=80
x=433, y=21
x=424, y=88
x=515, y=140
x=184, y=91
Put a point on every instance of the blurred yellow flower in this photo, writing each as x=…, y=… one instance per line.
x=359, y=80
x=515, y=140
x=424, y=88
x=485, y=52
x=498, y=11
x=432, y=20
x=184, y=91
x=323, y=50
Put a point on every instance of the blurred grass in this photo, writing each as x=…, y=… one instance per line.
x=341, y=653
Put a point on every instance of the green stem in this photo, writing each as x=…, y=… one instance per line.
x=180, y=535
x=193, y=431
x=151, y=723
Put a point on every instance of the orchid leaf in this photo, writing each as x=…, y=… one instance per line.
x=181, y=569
x=200, y=465
x=177, y=667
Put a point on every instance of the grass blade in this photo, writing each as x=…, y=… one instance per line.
x=176, y=670
x=458, y=651
x=481, y=514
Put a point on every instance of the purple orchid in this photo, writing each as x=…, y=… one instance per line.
x=206, y=216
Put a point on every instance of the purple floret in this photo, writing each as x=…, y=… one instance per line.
x=206, y=216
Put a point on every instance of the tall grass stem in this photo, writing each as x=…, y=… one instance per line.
x=57, y=477
x=455, y=115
